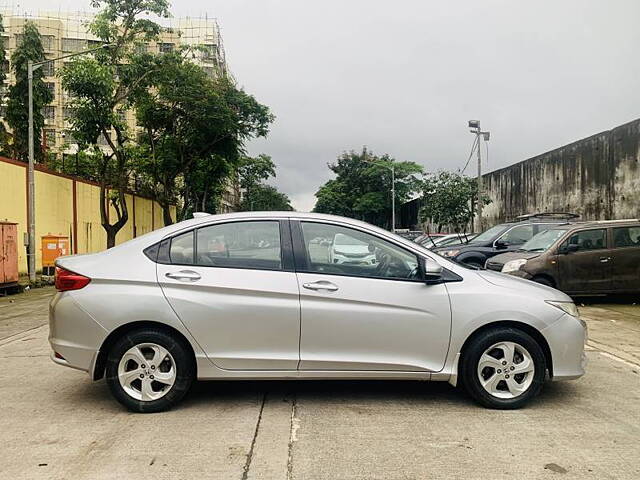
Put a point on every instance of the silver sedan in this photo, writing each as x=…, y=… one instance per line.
x=255, y=296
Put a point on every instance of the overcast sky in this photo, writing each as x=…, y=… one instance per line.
x=403, y=77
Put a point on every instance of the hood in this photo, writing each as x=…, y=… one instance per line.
x=508, y=256
x=515, y=283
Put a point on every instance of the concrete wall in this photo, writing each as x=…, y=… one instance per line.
x=56, y=196
x=597, y=177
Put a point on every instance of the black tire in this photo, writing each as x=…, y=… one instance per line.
x=184, y=369
x=477, y=347
x=544, y=281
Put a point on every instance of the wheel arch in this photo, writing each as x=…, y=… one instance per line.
x=101, y=359
x=528, y=329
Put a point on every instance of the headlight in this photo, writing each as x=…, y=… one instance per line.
x=567, y=307
x=513, y=265
x=449, y=253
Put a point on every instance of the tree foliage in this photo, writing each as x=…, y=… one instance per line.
x=450, y=199
x=257, y=196
x=4, y=137
x=362, y=187
x=195, y=129
x=30, y=48
x=103, y=86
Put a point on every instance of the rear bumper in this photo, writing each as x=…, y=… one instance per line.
x=567, y=338
x=73, y=334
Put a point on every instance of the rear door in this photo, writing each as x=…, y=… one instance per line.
x=588, y=268
x=233, y=286
x=360, y=315
x=625, y=259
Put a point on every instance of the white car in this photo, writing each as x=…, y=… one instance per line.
x=195, y=300
x=347, y=249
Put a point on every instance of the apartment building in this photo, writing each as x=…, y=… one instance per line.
x=65, y=33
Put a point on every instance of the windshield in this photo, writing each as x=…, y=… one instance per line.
x=489, y=234
x=543, y=240
x=341, y=239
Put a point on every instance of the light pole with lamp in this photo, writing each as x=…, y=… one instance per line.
x=475, y=126
x=31, y=247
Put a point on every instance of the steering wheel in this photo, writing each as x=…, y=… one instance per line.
x=385, y=260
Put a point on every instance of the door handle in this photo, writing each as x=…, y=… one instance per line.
x=184, y=275
x=604, y=259
x=321, y=285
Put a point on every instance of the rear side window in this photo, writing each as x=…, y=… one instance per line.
x=254, y=245
x=181, y=251
x=588, y=240
x=626, y=237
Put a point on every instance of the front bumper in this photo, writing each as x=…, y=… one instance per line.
x=73, y=334
x=567, y=338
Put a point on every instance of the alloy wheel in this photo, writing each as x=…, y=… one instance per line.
x=147, y=372
x=506, y=370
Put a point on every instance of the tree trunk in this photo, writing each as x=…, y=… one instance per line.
x=166, y=214
x=121, y=210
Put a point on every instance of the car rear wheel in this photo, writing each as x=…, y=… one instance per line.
x=149, y=371
x=503, y=368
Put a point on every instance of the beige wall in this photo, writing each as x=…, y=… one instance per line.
x=54, y=211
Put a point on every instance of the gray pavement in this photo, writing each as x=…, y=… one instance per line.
x=57, y=424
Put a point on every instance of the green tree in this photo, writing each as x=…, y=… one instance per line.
x=29, y=48
x=195, y=129
x=106, y=84
x=266, y=198
x=362, y=187
x=450, y=199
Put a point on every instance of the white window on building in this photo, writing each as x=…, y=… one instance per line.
x=210, y=52
x=166, y=47
x=48, y=69
x=52, y=88
x=210, y=71
x=73, y=44
x=49, y=112
x=48, y=42
x=50, y=137
x=141, y=48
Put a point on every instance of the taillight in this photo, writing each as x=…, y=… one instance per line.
x=66, y=280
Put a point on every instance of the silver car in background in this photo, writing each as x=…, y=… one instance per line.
x=257, y=296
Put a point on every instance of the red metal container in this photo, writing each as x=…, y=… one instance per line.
x=8, y=254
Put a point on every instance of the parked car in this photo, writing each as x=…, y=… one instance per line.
x=347, y=249
x=159, y=311
x=409, y=234
x=502, y=238
x=447, y=240
x=426, y=236
x=579, y=259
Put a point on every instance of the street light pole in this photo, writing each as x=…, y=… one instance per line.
x=475, y=126
x=31, y=209
x=393, y=198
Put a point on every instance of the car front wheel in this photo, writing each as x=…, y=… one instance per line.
x=503, y=368
x=149, y=371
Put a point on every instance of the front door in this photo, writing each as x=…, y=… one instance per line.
x=231, y=285
x=584, y=262
x=366, y=311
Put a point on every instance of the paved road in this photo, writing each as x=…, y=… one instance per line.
x=56, y=424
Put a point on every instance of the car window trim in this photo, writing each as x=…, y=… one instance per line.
x=580, y=230
x=302, y=259
x=613, y=238
x=286, y=251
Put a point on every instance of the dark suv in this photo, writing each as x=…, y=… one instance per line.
x=502, y=238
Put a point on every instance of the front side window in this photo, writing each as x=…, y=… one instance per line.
x=518, y=235
x=332, y=249
x=253, y=245
x=588, y=240
x=626, y=237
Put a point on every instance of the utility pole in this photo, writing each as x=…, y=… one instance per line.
x=31, y=248
x=475, y=129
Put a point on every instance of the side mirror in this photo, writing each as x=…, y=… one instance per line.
x=572, y=247
x=500, y=244
x=431, y=271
